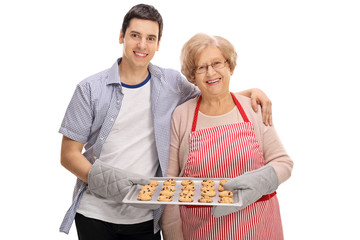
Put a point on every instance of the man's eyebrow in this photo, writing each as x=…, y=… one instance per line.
x=152, y=35
x=135, y=32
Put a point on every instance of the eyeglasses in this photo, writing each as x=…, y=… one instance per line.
x=217, y=65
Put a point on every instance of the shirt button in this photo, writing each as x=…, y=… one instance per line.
x=94, y=157
x=112, y=119
x=118, y=101
x=101, y=138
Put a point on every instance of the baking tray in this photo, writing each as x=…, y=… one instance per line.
x=132, y=195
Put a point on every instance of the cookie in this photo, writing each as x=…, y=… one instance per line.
x=208, y=182
x=186, y=198
x=209, y=193
x=205, y=199
x=226, y=200
x=163, y=198
x=144, y=197
x=170, y=182
x=188, y=187
x=187, y=182
x=148, y=187
x=187, y=192
x=221, y=188
x=166, y=193
x=207, y=188
x=222, y=182
x=154, y=183
x=168, y=188
x=226, y=194
x=146, y=191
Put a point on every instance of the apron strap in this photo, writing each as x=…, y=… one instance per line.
x=242, y=112
x=196, y=115
x=266, y=197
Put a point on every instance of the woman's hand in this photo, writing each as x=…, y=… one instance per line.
x=259, y=97
x=252, y=186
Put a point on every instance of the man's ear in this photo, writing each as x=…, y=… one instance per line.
x=121, y=38
x=158, y=45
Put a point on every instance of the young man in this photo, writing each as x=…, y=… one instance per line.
x=121, y=116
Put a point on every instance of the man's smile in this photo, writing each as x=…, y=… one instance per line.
x=140, y=54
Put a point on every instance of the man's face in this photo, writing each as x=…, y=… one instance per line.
x=140, y=42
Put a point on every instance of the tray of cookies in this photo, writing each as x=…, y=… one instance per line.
x=184, y=191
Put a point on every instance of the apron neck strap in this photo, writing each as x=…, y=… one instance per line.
x=238, y=105
x=242, y=112
x=196, y=114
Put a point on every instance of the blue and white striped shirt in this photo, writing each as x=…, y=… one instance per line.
x=96, y=104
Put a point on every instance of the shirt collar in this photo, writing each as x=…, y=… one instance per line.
x=114, y=78
x=155, y=71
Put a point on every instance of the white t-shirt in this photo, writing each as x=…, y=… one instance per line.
x=130, y=146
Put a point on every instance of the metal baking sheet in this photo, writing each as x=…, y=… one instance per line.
x=132, y=195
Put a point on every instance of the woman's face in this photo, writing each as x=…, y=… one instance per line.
x=213, y=82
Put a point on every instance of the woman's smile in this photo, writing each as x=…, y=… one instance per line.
x=213, y=81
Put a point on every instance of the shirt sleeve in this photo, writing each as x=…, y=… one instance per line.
x=188, y=90
x=78, y=116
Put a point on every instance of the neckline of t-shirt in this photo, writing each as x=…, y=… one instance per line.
x=137, y=85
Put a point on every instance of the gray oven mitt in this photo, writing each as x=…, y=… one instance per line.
x=252, y=186
x=112, y=183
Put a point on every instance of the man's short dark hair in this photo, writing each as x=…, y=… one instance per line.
x=143, y=11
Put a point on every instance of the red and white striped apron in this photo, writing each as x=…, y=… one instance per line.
x=225, y=152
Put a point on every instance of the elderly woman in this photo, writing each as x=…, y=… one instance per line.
x=218, y=135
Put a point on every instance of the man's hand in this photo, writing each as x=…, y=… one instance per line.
x=112, y=183
x=259, y=97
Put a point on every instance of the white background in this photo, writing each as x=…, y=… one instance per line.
x=304, y=55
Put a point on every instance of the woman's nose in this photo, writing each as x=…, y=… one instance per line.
x=210, y=70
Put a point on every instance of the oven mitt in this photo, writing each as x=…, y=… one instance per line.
x=112, y=183
x=252, y=186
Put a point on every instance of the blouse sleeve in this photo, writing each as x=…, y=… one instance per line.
x=170, y=221
x=276, y=155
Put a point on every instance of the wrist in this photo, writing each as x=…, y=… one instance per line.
x=246, y=93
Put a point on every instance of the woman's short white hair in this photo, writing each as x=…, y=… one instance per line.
x=195, y=45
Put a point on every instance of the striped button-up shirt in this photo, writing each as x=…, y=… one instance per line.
x=96, y=104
